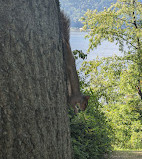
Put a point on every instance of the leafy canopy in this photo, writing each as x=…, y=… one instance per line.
x=122, y=22
x=114, y=79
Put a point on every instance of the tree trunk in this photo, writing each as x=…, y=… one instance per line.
x=33, y=114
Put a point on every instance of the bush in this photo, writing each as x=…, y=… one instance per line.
x=90, y=133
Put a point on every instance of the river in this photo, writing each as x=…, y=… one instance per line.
x=106, y=49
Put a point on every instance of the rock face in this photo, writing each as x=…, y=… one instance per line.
x=33, y=113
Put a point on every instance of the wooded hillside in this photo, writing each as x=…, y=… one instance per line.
x=76, y=9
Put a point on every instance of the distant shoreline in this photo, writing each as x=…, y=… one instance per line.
x=72, y=29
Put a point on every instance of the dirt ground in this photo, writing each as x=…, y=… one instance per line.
x=125, y=155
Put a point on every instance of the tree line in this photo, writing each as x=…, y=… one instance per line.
x=76, y=9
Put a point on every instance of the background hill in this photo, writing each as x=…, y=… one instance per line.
x=76, y=9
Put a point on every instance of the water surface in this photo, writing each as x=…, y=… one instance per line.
x=106, y=49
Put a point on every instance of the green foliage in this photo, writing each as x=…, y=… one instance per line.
x=114, y=80
x=90, y=132
x=120, y=23
x=79, y=54
x=114, y=114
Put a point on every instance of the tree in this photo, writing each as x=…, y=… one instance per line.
x=121, y=23
x=115, y=79
x=113, y=84
x=33, y=100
